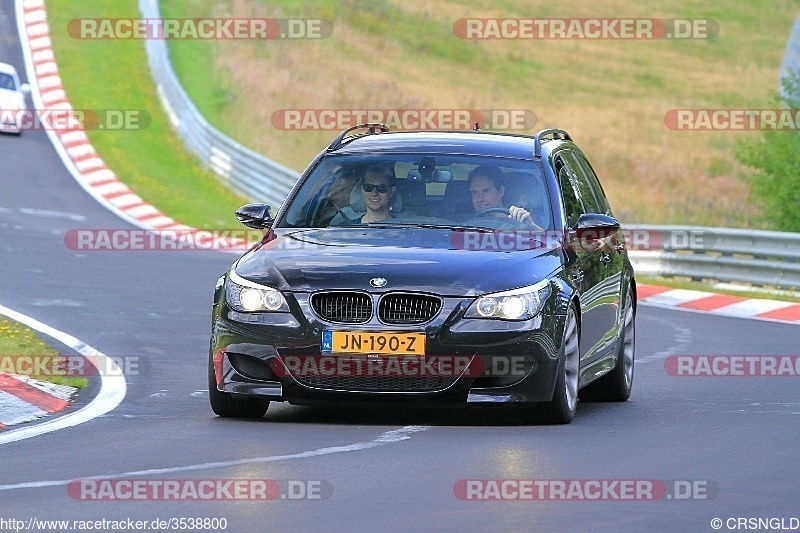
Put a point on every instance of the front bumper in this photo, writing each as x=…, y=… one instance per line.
x=479, y=361
x=10, y=127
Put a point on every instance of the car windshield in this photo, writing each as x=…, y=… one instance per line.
x=7, y=81
x=419, y=189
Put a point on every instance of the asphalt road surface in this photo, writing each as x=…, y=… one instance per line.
x=374, y=469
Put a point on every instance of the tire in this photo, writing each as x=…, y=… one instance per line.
x=225, y=405
x=561, y=409
x=616, y=385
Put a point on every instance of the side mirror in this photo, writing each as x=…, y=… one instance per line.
x=594, y=226
x=255, y=216
x=589, y=231
x=25, y=88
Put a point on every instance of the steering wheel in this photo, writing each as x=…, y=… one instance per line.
x=491, y=211
x=498, y=223
x=507, y=221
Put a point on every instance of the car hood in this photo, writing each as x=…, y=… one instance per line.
x=9, y=98
x=9, y=94
x=413, y=259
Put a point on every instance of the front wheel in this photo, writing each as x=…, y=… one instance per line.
x=561, y=409
x=225, y=405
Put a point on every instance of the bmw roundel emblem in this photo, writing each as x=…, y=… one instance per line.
x=378, y=282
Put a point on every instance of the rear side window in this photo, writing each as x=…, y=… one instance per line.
x=567, y=181
x=581, y=184
x=593, y=183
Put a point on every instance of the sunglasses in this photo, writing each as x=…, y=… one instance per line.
x=369, y=187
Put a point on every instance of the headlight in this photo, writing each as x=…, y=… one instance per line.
x=517, y=304
x=247, y=296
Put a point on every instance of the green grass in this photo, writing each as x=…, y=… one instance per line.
x=113, y=74
x=611, y=95
x=18, y=341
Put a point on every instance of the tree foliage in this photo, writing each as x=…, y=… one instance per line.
x=775, y=184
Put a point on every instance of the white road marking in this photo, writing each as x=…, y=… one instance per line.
x=57, y=302
x=112, y=386
x=389, y=437
x=683, y=341
x=53, y=214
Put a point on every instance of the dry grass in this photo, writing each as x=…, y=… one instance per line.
x=610, y=95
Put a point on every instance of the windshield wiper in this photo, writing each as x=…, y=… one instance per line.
x=456, y=227
x=426, y=225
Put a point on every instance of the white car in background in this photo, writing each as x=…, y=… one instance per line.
x=12, y=99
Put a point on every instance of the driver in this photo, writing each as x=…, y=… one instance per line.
x=487, y=189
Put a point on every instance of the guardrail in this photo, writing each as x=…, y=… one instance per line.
x=243, y=170
x=756, y=257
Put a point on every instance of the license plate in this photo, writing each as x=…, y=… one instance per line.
x=372, y=342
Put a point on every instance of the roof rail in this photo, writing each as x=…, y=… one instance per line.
x=371, y=127
x=548, y=135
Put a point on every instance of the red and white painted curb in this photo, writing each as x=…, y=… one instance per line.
x=74, y=148
x=23, y=399
x=719, y=304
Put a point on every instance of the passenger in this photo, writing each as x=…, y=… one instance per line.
x=378, y=190
x=338, y=196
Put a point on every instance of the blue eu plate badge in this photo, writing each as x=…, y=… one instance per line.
x=327, y=341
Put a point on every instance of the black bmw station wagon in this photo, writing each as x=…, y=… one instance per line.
x=432, y=267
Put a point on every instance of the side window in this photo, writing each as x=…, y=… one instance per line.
x=572, y=204
x=594, y=183
x=581, y=182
